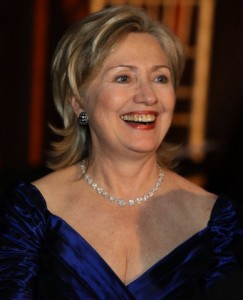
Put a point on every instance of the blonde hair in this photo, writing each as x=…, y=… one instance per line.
x=77, y=58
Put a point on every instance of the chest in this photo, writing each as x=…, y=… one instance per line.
x=83, y=270
x=131, y=243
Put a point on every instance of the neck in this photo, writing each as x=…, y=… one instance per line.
x=124, y=179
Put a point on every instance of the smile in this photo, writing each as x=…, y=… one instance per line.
x=139, y=118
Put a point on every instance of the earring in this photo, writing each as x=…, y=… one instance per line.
x=83, y=119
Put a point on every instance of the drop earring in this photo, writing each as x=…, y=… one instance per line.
x=83, y=119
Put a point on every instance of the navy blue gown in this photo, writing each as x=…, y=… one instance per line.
x=42, y=257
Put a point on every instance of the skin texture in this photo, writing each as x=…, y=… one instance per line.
x=129, y=83
x=134, y=81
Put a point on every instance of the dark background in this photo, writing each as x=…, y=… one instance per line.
x=223, y=163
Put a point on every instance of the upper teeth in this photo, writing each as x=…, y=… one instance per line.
x=139, y=118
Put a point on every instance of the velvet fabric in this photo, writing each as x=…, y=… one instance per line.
x=42, y=257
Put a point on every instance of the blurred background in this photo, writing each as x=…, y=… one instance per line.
x=208, y=120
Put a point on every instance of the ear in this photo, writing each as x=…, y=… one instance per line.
x=76, y=106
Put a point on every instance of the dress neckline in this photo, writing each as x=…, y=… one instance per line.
x=153, y=267
x=163, y=260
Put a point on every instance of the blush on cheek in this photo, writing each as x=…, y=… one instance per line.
x=100, y=120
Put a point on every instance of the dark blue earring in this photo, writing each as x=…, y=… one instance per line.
x=83, y=119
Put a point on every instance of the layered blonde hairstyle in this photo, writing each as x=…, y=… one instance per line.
x=77, y=59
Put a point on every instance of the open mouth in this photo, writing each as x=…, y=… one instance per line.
x=139, y=118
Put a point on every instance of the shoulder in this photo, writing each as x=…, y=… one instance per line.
x=188, y=193
x=23, y=216
x=23, y=224
x=59, y=178
x=59, y=186
x=23, y=195
x=181, y=183
x=226, y=239
x=226, y=220
x=191, y=203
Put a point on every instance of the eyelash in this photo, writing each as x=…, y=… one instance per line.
x=125, y=79
x=162, y=79
x=120, y=79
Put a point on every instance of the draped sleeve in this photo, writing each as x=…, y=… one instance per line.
x=227, y=240
x=22, y=227
x=43, y=257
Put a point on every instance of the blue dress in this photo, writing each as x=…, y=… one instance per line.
x=42, y=257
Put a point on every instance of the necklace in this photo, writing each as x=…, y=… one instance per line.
x=119, y=201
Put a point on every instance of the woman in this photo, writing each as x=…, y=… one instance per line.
x=112, y=221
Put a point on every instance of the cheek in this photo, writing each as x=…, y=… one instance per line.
x=169, y=103
x=109, y=102
x=99, y=108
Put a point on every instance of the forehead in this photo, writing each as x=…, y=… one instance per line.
x=137, y=47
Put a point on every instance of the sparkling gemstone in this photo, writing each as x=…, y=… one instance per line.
x=99, y=190
x=121, y=202
x=131, y=202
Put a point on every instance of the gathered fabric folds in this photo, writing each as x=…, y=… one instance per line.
x=43, y=257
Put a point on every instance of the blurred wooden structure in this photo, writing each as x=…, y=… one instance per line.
x=192, y=22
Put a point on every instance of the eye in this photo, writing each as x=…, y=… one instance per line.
x=122, y=79
x=162, y=79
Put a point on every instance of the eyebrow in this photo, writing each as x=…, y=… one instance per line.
x=154, y=68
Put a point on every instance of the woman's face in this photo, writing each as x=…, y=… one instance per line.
x=130, y=101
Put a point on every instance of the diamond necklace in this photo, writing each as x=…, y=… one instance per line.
x=119, y=201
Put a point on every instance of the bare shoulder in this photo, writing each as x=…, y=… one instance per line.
x=57, y=186
x=194, y=201
x=177, y=182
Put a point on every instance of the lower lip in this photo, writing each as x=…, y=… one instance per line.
x=141, y=126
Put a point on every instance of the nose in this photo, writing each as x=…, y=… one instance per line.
x=145, y=93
